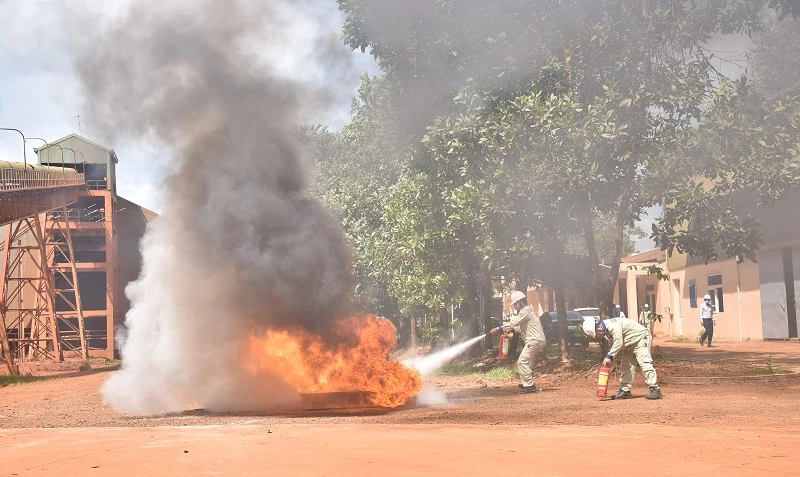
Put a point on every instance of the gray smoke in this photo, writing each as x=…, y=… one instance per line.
x=240, y=245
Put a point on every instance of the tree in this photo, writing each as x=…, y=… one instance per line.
x=542, y=120
x=621, y=106
x=776, y=64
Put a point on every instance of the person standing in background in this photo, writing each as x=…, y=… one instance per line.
x=644, y=316
x=707, y=320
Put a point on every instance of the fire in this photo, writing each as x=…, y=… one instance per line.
x=308, y=363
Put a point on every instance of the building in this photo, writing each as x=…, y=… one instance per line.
x=92, y=247
x=754, y=301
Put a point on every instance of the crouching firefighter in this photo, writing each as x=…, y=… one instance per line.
x=529, y=326
x=632, y=341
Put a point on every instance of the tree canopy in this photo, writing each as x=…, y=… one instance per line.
x=506, y=131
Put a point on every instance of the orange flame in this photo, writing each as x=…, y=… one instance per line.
x=309, y=364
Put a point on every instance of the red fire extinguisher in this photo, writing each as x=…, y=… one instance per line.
x=505, y=341
x=602, y=381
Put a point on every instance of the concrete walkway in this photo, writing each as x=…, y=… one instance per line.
x=785, y=353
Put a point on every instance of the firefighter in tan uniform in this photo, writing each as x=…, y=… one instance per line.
x=529, y=326
x=630, y=342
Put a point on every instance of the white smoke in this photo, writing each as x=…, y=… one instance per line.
x=240, y=246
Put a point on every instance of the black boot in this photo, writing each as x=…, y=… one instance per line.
x=623, y=395
x=654, y=393
x=528, y=389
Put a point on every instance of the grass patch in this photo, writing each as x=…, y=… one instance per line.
x=683, y=339
x=487, y=366
x=502, y=372
x=768, y=367
x=6, y=380
x=457, y=368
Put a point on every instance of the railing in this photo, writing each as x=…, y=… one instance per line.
x=97, y=185
x=19, y=179
x=88, y=214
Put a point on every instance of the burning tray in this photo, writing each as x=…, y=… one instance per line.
x=354, y=400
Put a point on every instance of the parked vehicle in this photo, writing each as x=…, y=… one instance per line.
x=549, y=321
x=595, y=312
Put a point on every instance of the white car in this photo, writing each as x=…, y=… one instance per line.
x=595, y=312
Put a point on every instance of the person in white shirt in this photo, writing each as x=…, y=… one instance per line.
x=707, y=320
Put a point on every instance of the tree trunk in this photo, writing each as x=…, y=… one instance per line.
x=444, y=325
x=561, y=307
x=413, y=330
x=599, y=283
x=604, y=287
x=486, y=294
x=472, y=304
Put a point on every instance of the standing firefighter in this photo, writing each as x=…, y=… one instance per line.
x=527, y=323
x=633, y=341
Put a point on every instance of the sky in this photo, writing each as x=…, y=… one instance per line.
x=41, y=96
x=40, y=93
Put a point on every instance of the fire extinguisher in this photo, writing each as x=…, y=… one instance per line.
x=505, y=341
x=602, y=381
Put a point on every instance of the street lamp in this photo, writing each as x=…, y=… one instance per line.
x=62, y=155
x=24, y=154
x=46, y=144
x=74, y=157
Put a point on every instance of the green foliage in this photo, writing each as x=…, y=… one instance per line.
x=520, y=133
x=768, y=367
x=744, y=152
x=652, y=316
x=776, y=64
x=431, y=332
x=502, y=373
x=684, y=339
x=6, y=380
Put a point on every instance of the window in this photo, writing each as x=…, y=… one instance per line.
x=715, y=290
x=692, y=293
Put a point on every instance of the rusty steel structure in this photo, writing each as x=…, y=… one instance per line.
x=71, y=246
x=26, y=192
x=32, y=327
x=31, y=332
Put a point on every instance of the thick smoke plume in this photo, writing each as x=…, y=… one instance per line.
x=240, y=247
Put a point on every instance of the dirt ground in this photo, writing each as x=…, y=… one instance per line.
x=744, y=426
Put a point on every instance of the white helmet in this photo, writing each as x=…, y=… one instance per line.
x=589, y=325
x=646, y=306
x=707, y=297
x=517, y=296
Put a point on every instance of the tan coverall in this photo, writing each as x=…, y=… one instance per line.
x=631, y=342
x=530, y=327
